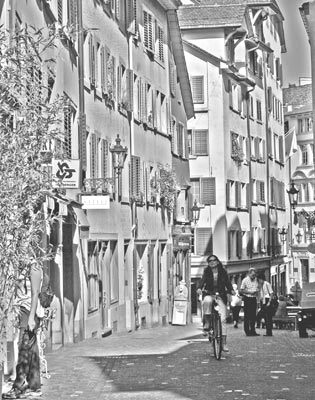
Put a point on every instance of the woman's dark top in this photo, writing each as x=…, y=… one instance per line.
x=224, y=286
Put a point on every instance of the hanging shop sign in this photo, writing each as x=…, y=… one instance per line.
x=66, y=173
x=311, y=248
x=95, y=202
x=181, y=242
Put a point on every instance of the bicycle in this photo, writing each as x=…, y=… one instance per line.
x=215, y=331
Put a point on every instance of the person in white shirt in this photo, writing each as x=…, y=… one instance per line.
x=265, y=296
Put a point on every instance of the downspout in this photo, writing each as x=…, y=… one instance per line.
x=250, y=162
x=81, y=115
x=134, y=222
x=267, y=160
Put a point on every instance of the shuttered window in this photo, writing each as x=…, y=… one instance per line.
x=148, y=27
x=159, y=51
x=135, y=179
x=173, y=78
x=204, y=241
x=200, y=142
x=72, y=13
x=68, y=121
x=281, y=150
x=197, y=88
x=207, y=191
x=104, y=158
x=132, y=23
x=92, y=170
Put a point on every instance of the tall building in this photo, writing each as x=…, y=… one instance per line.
x=298, y=118
x=233, y=51
x=121, y=66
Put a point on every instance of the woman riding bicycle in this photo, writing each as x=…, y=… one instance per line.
x=215, y=280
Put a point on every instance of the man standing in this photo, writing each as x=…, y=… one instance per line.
x=249, y=291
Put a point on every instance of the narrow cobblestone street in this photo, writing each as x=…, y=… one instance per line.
x=177, y=363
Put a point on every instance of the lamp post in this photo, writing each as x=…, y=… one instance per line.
x=293, y=195
x=119, y=154
x=195, y=212
x=283, y=234
x=299, y=237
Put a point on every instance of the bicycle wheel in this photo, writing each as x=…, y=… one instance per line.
x=217, y=336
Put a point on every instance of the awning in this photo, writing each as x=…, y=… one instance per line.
x=81, y=217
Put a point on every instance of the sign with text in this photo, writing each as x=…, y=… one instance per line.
x=66, y=173
x=181, y=242
x=95, y=202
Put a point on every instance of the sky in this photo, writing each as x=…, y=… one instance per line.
x=296, y=62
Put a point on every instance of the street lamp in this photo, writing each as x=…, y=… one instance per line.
x=299, y=237
x=119, y=154
x=195, y=212
x=283, y=234
x=293, y=195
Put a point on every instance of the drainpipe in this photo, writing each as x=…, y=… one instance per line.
x=133, y=205
x=250, y=161
x=81, y=113
x=267, y=160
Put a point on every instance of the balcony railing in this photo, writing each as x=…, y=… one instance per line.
x=98, y=186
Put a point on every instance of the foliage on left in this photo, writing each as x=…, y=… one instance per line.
x=31, y=133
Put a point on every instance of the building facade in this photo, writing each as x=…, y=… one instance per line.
x=121, y=67
x=300, y=137
x=233, y=51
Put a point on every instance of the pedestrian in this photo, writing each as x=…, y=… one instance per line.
x=27, y=381
x=249, y=291
x=265, y=297
x=215, y=280
x=236, y=305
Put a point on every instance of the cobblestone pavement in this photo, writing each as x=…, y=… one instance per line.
x=177, y=363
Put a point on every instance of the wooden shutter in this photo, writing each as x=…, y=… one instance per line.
x=248, y=199
x=72, y=13
x=173, y=77
x=119, y=82
x=67, y=124
x=197, y=88
x=238, y=194
x=104, y=158
x=269, y=98
x=230, y=243
x=200, y=142
x=135, y=181
x=160, y=41
x=60, y=12
x=228, y=196
x=148, y=30
x=256, y=144
x=208, y=191
x=239, y=243
x=82, y=132
x=129, y=82
x=132, y=25
x=203, y=241
x=281, y=151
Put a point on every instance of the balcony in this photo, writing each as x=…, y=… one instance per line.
x=101, y=186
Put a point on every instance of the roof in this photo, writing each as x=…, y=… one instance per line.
x=179, y=57
x=299, y=98
x=212, y=15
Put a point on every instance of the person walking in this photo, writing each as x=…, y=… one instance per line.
x=27, y=381
x=236, y=305
x=215, y=280
x=249, y=291
x=266, y=296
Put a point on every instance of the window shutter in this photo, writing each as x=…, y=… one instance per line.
x=281, y=153
x=239, y=236
x=160, y=41
x=256, y=147
x=82, y=130
x=72, y=13
x=203, y=241
x=248, y=199
x=230, y=89
x=113, y=77
x=173, y=77
x=148, y=30
x=269, y=98
x=144, y=102
x=93, y=155
x=67, y=124
x=135, y=180
x=60, y=12
x=91, y=59
x=208, y=191
x=148, y=184
x=230, y=243
x=104, y=158
x=129, y=81
x=103, y=69
x=132, y=16
x=119, y=83
x=238, y=195
x=197, y=88
x=200, y=142
x=228, y=197
x=239, y=98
